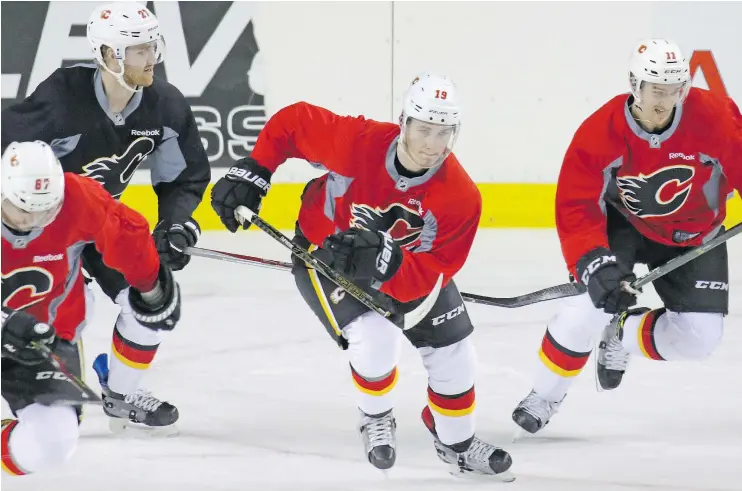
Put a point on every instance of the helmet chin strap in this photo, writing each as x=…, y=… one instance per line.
x=120, y=78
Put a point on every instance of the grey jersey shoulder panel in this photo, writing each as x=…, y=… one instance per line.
x=167, y=161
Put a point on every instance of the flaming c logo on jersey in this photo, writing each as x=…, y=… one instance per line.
x=130, y=159
x=658, y=194
x=642, y=48
x=24, y=287
x=405, y=225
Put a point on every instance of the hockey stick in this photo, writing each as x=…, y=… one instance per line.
x=87, y=396
x=553, y=292
x=238, y=258
x=572, y=289
x=408, y=321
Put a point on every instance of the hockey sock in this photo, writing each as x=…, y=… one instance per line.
x=639, y=334
x=131, y=357
x=375, y=393
x=453, y=415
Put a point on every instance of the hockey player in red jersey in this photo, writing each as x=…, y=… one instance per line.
x=102, y=120
x=394, y=210
x=48, y=217
x=645, y=178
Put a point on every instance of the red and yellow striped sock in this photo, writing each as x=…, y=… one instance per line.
x=560, y=360
x=132, y=354
x=645, y=334
x=375, y=394
x=453, y=415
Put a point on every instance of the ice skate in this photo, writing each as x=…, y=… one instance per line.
x=139, y=411
x=612, y=357
x=480, y=460
x=379, y=438
x=534, y=412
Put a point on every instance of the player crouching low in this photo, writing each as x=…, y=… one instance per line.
x=394, y=210
x=48, y=217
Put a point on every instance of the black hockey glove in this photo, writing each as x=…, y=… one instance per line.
x=19, y=330
x=158, y=309
x=364, y=256
x=246, y=183
x=172, y=238
x=604, y=276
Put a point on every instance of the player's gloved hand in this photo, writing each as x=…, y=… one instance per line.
x=19, y=330
x=363, y=255
x=245, y=184
x=172, y=238
x=606, y=279
x=159, y=308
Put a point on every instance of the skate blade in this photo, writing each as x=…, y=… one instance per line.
x=125, y=428
x=458, y=473
x=519, y=434
x=595, y=371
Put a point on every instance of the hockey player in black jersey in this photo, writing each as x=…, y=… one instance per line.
x=103, y=120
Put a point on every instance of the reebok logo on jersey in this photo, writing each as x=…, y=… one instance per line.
x=48, y=258
x=680, y=155
x=145, y=132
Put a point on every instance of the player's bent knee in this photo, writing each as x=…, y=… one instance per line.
x=699, y=333
x=131, y=329
x=577, y=323
x=451, y=369
x=51, y=436
x=374, y=344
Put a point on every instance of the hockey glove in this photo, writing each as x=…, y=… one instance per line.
x=19, y=330
x=158, y=309
x=245, y=184
x=605, y=277
x=368, y=257
x=172, y=238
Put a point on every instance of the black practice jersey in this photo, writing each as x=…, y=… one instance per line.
x=69, y=111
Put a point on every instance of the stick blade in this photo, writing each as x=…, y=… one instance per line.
x=413, y=318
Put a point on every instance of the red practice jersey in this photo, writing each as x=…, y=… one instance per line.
x=433, y=217
x=673, y=186
x=42, y=271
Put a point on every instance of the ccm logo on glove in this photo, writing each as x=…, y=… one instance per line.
x=594, y=265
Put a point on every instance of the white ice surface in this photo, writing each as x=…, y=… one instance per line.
x=267, y=404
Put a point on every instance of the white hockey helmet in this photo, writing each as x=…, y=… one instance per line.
x=32, y=185
x=434, y=100
x=658, y=61
x=120, y=26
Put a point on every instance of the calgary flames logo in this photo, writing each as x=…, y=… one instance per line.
x=24, y=287
x=123, y=165
x=659, y=194
x=403, y=224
